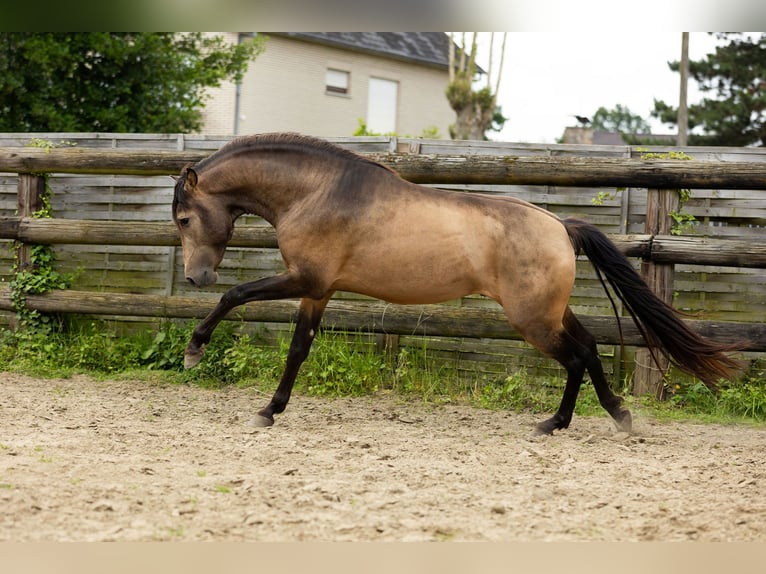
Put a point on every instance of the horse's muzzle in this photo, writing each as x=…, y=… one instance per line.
x=207, y=277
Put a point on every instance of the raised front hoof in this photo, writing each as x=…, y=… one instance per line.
x=624, y=421
x=261, y=421
x=192, y=359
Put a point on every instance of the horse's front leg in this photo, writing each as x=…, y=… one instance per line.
x=309, y=317
x=283, y=286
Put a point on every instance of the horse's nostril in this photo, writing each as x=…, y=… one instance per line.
x=191, y=280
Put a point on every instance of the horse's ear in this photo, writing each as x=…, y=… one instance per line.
x=184, y=170
x=191, y=180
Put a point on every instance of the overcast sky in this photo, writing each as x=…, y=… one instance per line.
x=549, y=77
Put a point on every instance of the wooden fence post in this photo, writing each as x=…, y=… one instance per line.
x=648, y=378
x=29, y=199
x=30, y=191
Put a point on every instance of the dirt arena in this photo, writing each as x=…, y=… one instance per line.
x=88, y=460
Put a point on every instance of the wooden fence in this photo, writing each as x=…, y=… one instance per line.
x=112, y=206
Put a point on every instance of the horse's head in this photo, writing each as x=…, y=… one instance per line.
x=205, y=227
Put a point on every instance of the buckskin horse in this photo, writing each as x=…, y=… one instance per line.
x=344, y=222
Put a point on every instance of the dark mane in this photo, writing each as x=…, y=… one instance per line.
x=281, y=142
x=179, y=193
x=286, y=142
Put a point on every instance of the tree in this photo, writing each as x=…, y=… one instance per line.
x=117, y=82
x=620, y=119
x=734, y=76
x=477, y=110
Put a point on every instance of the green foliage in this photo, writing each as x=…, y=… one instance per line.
x=38, y=276
x=460, y=92
x=605, y=195
x=511, y=394
x=646, y=154
x=498, y=120
x=73, y=347
x=474, y=108
x=619, y=119
x=166, y=349
x=681, y=221
x=96, y=347
x=363, y=130
x=415, y=372
x=48, y=145
x=733, y=111
x=742, y=399
x=521, y=392
x=431, y=132
x=247, y=359
x=340, y=364
x=113, y=81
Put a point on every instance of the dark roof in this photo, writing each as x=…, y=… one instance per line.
x=607, y=138
x=431, y=48
x=584, y=135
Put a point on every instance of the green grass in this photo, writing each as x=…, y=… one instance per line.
x=342, y=364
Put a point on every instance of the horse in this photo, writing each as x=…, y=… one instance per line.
x=346, y=223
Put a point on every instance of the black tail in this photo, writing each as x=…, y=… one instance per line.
x=658, y=323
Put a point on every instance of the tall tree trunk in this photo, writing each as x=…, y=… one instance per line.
x=474, y=110
x=683, y=112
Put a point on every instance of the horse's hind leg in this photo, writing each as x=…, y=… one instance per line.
x=575, y=348
x=611, y=402
x=309, y=317
x=569, y=353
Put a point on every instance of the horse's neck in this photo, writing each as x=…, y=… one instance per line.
x=264, y=188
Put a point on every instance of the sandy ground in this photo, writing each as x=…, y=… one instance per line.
x=88, y=460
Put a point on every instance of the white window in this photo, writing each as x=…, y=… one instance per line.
x=382, y=106
x=336, y=81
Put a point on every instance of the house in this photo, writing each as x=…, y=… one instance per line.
x=589, y=136
x=325, y=83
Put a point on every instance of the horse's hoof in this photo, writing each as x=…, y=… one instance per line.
x=192, y=359
x=260, y=421
x=543, y=429
x=556, y=422
x=625, y=424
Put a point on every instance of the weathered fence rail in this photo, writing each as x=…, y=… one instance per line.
x=658, y=248
x=93, y=232
x=370, y=316
x=431, y=168
x=461, y=169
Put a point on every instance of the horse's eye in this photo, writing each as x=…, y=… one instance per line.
x=183, y=222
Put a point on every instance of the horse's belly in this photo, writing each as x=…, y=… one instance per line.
x=407, y=292
x=419, y=280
